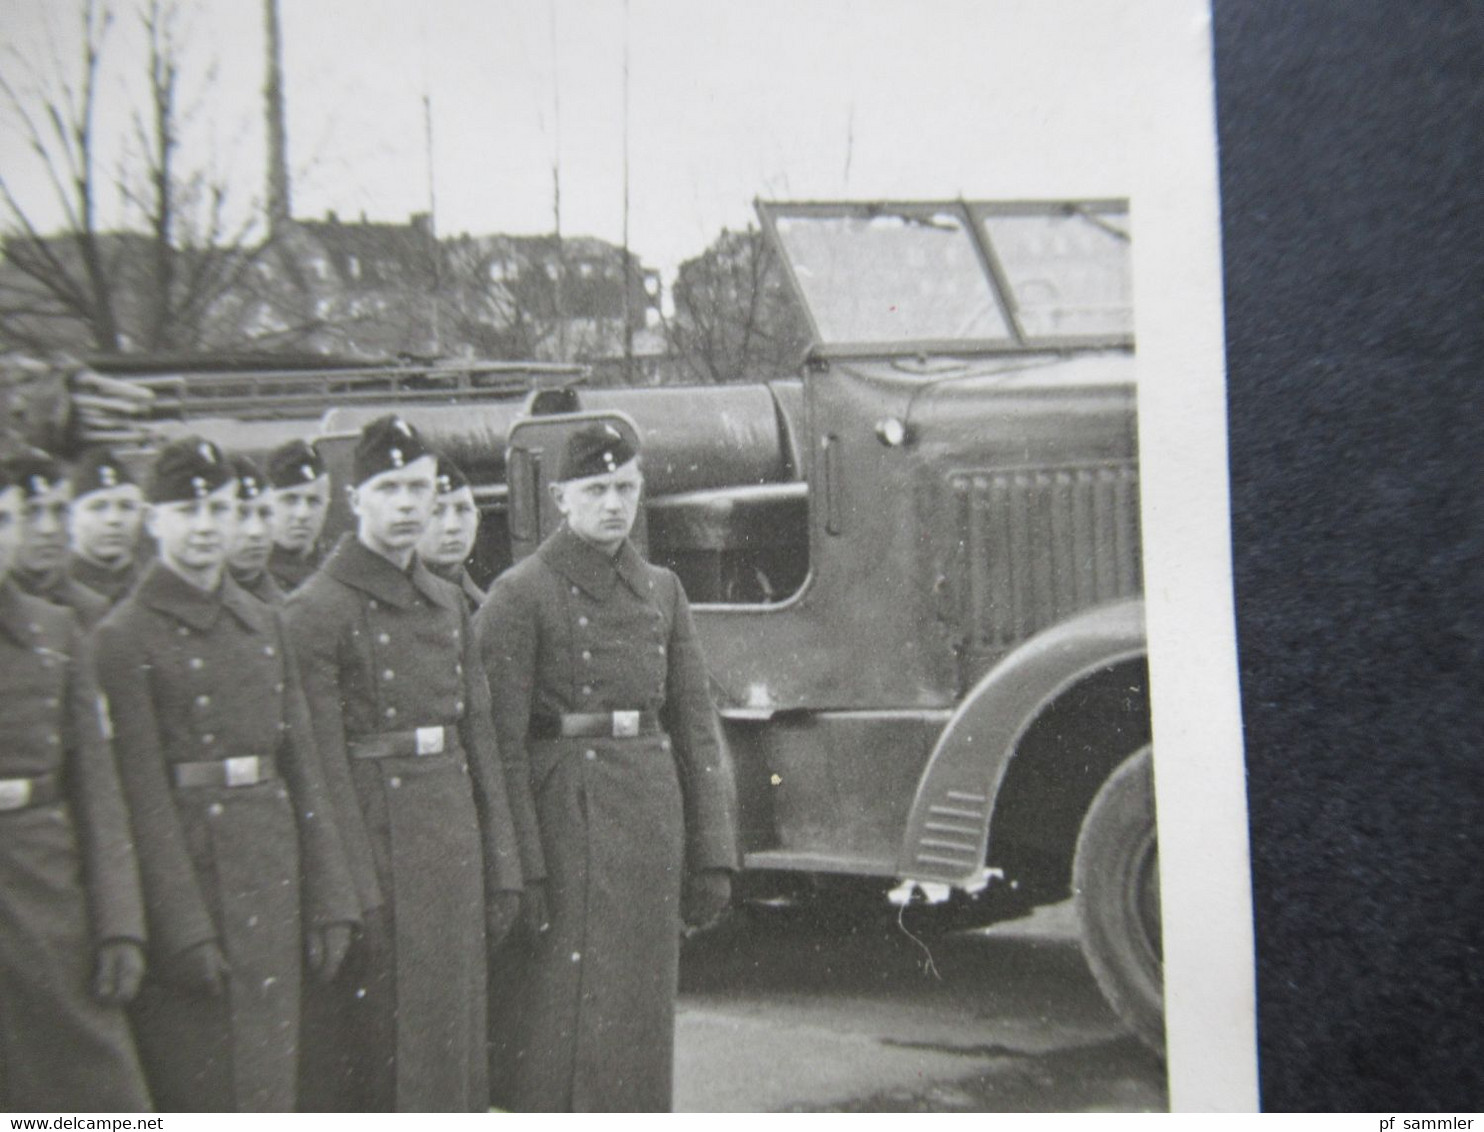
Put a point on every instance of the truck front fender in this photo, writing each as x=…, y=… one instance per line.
x=948, y=827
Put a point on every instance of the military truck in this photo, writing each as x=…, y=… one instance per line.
x=915, y=567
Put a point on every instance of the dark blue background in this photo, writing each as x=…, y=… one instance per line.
x=1352, y=157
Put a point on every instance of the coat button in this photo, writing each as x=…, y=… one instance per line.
x=269, y=650
x=182, y=631
x=197, y=663
x=582, y=621
x=590, y=755
x=661, y=648
x=458, y=669
x=394, y=782
x=577, y=957
x=384, y=638
x=388, y=675
x=372, y=604
x=574, y=591
x=208, y=739
x=586, y=655
x=278, y=687
x=215, y=809
x=53, y=701
x=391, y=713
x=203, y=701
x=458, y=705
x=587, y=689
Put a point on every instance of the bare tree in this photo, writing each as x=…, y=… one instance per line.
x=155, y=283
x=735, y=319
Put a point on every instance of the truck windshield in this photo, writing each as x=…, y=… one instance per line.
x=961, y=275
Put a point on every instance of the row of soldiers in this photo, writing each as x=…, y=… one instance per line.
x=284, y=829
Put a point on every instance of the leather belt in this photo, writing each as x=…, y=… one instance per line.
x=390, y=744
x=23, y=793
x=243, y=770
x=595, y=725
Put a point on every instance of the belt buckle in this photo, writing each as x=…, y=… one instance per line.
x=14, y=793
x=241, y=770
x=625, y=724
x=429, y=740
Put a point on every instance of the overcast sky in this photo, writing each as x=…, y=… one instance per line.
x=727, y=101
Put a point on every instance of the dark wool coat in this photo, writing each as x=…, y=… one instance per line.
x=387, y=651
x=194, y=677
x=459, y=577
x=292, y=570
x=68, y=877
x=571, y=629
x=113, y=583
x=264, y=587
x=60, y=588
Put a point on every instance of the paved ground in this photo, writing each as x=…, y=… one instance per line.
x=779, y=1013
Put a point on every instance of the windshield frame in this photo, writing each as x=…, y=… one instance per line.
x=969, y=213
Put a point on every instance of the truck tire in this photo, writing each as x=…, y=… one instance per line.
x=1116, y=883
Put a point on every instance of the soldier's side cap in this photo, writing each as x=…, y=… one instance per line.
x=35, y=472
x=450, y=477
x=387, y=444
x=99, y=469
x=596, y=449
x=188, y=469
x=250, y=481
x=294, y=464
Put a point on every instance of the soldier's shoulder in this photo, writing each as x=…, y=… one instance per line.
x=53, y=624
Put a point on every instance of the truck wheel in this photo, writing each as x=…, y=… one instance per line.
x=1116, y=879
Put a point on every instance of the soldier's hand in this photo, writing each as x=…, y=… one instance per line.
x=707, y=895
x=119, y=972
x=534, y=914
x=500, y=913
x=202, y=968
x=327, y=948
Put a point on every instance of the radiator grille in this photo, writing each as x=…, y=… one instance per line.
x=1038, y=544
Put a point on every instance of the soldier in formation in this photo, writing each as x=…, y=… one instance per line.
x=71, y=919
x=107, y=516
x=599, y=686
x=41, y=562
x=243, y=870
x=300, y=495
x=449, y=540
x=402, y=717
x=252, y=545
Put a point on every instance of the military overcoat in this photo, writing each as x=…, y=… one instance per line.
x=196, y=683
x=114, y=583
x=460, y=577
x=291, y=569
x=60, y=588
x=68, y=876
x=263, y=586
x=574, y=630
x=389, y=658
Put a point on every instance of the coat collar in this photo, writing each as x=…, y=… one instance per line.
x=459, y=576
x=585, y=565
x=164, y=590
x=264, y=587
x=355, y=564
x=14, y=620
x=54, y=585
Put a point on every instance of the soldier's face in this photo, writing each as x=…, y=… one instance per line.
x=106, y=523
x=393, y=507
x=194, y=535
x=10, y=528
x=253, y=542
x=299, y=514
x=602, y=509
x=44, y=532
x=449, y=539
